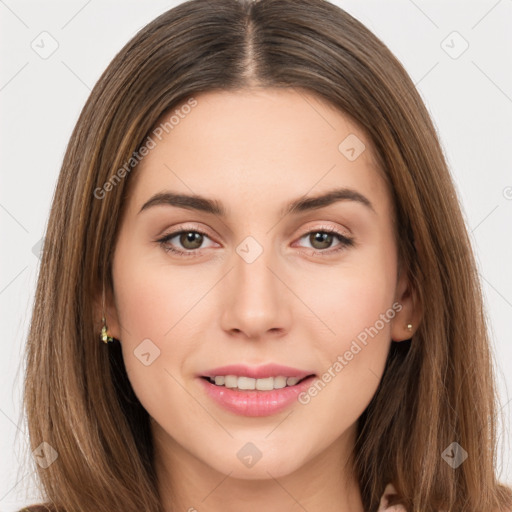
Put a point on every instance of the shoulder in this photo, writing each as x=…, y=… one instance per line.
x=36, y=508
x=389, y=492
x=384, y=506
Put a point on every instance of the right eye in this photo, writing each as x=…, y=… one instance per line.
x=190, y=240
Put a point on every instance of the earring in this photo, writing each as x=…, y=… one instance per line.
x=409, y=326
x=104, y=334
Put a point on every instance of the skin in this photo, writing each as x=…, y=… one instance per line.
x=255, y=151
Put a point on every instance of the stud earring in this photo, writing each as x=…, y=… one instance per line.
x=409, y=326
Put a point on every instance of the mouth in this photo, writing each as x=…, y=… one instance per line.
x=253, y=397
x=249, y=390
x=242, y=383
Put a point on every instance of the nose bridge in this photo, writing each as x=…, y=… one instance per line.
x=255, y=302
x=254, y=282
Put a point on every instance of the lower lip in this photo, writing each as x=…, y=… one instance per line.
x=254, y=402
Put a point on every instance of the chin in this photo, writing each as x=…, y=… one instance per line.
x=276, y=463
x=259, y=471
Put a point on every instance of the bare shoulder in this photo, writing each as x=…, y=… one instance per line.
x=37, y=508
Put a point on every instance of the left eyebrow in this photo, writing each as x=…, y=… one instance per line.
x=304, y=204
x=215, y=207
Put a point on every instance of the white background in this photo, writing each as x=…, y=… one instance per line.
x=469, y=98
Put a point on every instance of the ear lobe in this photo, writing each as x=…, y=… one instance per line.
x=410, y=313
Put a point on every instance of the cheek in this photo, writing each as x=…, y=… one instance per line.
x=152, y=301
x=355, y=304
x=352, y=296
x=152, y=306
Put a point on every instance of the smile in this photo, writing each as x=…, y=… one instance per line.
x=248, y=383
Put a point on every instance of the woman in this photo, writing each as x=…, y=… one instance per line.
x=242, y=369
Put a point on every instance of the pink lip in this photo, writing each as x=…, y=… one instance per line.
x=257, y=372
x=255, y=402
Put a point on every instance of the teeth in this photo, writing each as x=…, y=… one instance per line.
x=279, y=382
x=267, y=384
x=264, y=384
x=230, y=381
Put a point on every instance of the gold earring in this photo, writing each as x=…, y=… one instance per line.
x=104, y=334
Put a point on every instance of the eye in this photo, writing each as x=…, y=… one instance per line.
x=321, y=240
x=190, y=239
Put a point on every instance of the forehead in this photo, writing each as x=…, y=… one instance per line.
x=266, y=143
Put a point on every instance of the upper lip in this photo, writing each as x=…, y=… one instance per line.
x=257, y=372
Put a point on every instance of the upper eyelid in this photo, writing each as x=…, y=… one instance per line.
x=322, y=228
x=183, y=228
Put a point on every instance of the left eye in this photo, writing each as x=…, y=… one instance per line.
x=324, y=238
x=191, y=241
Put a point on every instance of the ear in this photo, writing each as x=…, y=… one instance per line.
x=110, y=312
x=410, y=313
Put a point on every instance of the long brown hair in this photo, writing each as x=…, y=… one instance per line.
x=436, y=390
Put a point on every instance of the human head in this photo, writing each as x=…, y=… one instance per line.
x=339, y=61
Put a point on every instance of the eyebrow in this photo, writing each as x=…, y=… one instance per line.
x=214, y=207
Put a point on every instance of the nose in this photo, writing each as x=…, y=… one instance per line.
x=256, y=300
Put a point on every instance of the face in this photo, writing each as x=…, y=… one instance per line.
x=252, y=284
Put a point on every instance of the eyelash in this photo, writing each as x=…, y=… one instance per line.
x=344, y=241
